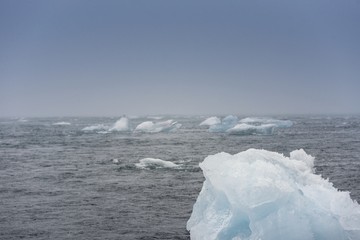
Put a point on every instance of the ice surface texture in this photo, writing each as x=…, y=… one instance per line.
x=257, y=194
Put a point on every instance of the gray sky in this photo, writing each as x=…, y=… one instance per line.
x=93, y=58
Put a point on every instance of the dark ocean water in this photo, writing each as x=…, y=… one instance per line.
x=59, y=182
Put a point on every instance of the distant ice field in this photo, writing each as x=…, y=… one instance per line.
x=100, y=178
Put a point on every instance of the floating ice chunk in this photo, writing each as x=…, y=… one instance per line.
x=61, y=123
x=103, y=132
x=210, y=121
x=226, y=123
x=121, y=125
x=22, y=120
x=246, y=129
x=115, y=160
x=155, y=163
x=278, y=123
x=257, y=194
x=164, y=126
x=95, y=127
x=155, y=117
x=145, y=126
x=167, y=126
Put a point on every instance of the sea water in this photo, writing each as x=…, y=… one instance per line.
x=74, y=178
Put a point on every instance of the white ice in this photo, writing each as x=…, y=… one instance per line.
x=257, y=121
x=95, y=127
x=22, y=120
x=61, y=123
x=164, y=126
x=246, y=129
x=121, y=125
x=155, y=117
x=210, y=121
x=257, y=194
x=155, y=163
x=225, y=124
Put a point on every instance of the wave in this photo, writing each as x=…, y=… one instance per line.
x=257, y=194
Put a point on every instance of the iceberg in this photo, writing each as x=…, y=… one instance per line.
x=258, y=194
x=61, y=124
x=278, y=123
x=145, y=126
x=121, y=125
x=22, y=120
x=210, y=121
x=155, y=163
x=155, y=117
x=95, y=127
x=151, y=127
x=246, y=129
x=226, y=123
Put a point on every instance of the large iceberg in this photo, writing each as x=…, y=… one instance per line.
x=164, y=126
x=121, y=125
x=226, y=123
x=210, y=121
x=257, y=194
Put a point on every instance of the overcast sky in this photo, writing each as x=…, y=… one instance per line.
x=96, y=58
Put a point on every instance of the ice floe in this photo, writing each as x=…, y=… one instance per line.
x=155, y=163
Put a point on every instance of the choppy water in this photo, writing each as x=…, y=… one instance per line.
x=59, y=182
